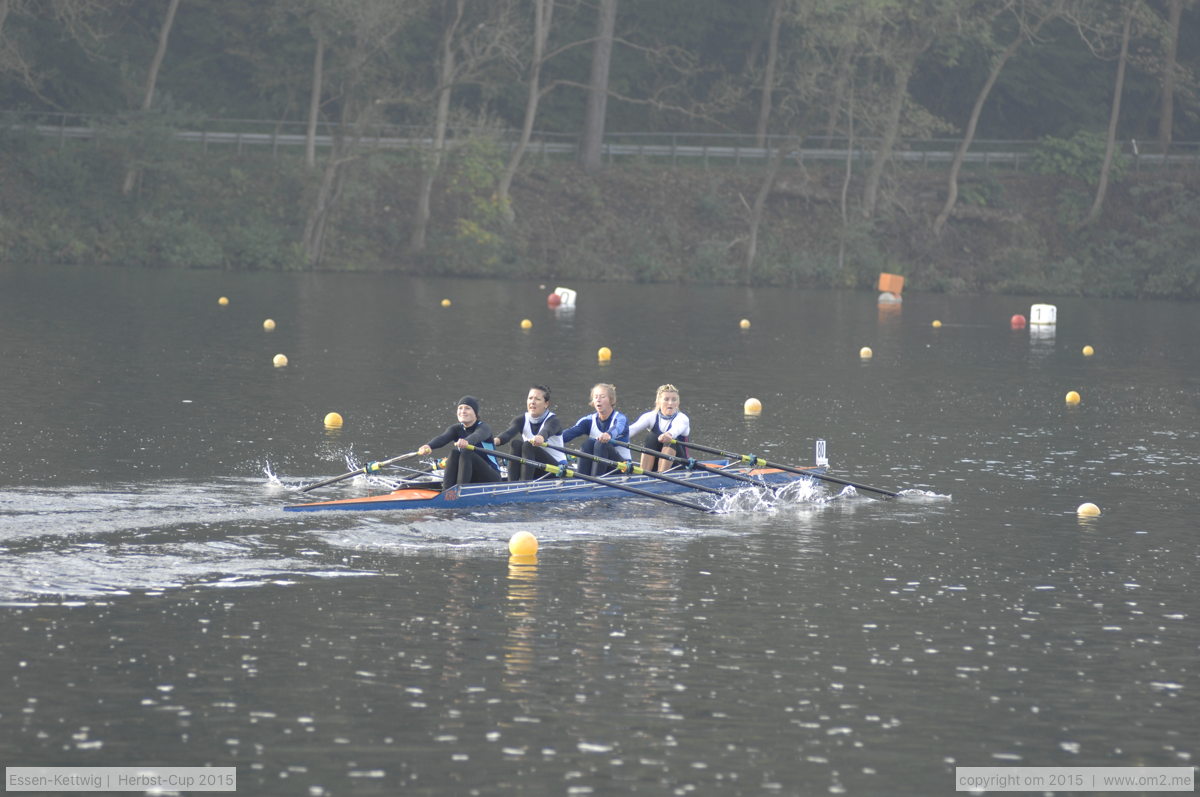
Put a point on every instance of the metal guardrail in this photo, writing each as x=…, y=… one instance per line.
x=240, y=134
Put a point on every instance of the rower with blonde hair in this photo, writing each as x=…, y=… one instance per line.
x=605, y=428
x=665, y=424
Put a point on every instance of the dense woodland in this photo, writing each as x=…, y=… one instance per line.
x=1093, y=88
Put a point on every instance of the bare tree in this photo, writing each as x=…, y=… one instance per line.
x=464, y=51
x=543, y=13
x=1025, y=32
x=1166, y=119
x=1114, y=115
x=775, y=14
x=160, y=52
x=360, y=80
x=804, y=73
x=757, y=210
x=592, y=137
x=314, y=97
x=76, y=18
x=433, y=159
x=907, y=32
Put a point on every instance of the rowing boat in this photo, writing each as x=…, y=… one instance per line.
x=428, y=495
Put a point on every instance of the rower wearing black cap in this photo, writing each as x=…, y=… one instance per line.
x=463, y=466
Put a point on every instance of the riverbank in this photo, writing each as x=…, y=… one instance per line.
x=638, y=221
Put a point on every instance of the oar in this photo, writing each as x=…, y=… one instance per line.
x=370, y=467
x=692, y=463
x=629, y=467
x=762, y=463
x=413, y=471
x=559, y=470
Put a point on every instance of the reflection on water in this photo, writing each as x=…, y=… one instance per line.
x=158, y=605
x=521, y=616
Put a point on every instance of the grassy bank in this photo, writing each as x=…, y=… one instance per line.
x=637, y=221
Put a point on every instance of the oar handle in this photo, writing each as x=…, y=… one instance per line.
x=571, y=474
x=758, y=462
x=637, y=470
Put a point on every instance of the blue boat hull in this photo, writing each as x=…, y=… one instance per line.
x=501, y=493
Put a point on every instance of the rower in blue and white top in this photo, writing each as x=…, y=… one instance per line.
x=536, y=426
x=665, y=423
x=604, y=427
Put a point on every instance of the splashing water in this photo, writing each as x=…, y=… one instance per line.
x=755, y=499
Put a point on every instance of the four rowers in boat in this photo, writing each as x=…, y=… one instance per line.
x=606, y=428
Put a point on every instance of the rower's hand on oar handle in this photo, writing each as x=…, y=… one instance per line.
x=424, y=451
x=604, y=437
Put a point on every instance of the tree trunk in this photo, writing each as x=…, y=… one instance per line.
x=592, y=139
x=543, y=11
x=433, y=164
x=849, y=172
x=160, y=53
x=840, y=81
x=1166, y=121
x=314, y=101
x=768, y=84
x=900, y=78
x=758, y=210
x=317, y=222
x=1111, y=143
x=960, y=154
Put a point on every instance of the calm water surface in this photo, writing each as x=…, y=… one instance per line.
x=158, y=607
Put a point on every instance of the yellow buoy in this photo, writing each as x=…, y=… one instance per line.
x=445, y=302
x=1088, y=510
x=1072, y=397
x=268, y=325
x=522, y=544
x=866, y=353
x=526, y=323
x=224, y=300
x=333, y=421
x=280, y=360
x=936, y=324
x=752, y=406
x=605, y=354
x=1088, y=351
x=744, y=323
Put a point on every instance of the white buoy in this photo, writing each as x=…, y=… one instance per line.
x=1043, y=315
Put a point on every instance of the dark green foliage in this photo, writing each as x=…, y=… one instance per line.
x=987, y=192
x=1079, y=157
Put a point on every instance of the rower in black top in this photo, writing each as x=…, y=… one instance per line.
x=463, y=466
